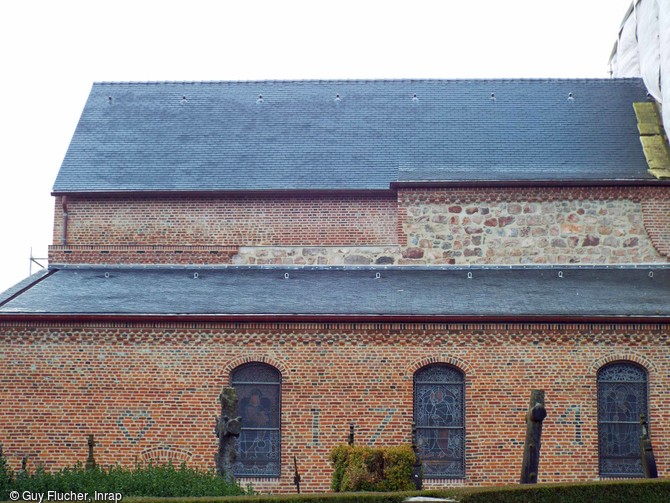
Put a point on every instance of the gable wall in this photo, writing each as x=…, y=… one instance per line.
x=457, y=226
x=150, y=391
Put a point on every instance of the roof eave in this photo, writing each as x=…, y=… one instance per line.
x=214, y=192
x=393, y=185
x=426, y=184
x=330, y=318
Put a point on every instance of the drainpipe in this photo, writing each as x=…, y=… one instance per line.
x=63, y=239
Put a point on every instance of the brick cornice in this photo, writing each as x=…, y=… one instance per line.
x=519, y=328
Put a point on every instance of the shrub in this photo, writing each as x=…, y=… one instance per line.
x=6, y=475
x=648, y=491
x=361, y=468
x=152, y=480
x=398, y=462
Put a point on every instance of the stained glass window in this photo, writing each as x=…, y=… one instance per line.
x=439, y=414
x=258, y=389
x=622, y=397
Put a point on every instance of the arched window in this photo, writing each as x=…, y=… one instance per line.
x=439, y=414
x=258, y=389
x=622, y=398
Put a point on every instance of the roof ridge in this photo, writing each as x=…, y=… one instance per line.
x=650, y=266
x=367, y=81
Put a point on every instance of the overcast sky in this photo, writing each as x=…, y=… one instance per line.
x=53, y=51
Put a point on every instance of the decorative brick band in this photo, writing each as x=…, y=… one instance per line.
x=149, y=254
x=166, y=454
x=79, y=331
x=459, y=195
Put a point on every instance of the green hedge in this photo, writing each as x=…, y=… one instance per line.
x=620, y=491
x=629, y=491
x=153, y=480
x=362, y=468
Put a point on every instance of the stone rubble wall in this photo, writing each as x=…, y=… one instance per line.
x=318, y=255
x=525, y=226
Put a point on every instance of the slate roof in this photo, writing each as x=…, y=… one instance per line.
x=451, y=292
x=359, y=135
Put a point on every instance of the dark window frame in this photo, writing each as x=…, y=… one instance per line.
x=245, y=387
x=615, y=432
x=433, y=432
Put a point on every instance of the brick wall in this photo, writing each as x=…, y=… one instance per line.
x=656, y=213
x=150, y=392
x=241, y=220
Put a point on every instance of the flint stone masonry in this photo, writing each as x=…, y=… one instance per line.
x=317, y=255
x=154, y=387
x=529, y=226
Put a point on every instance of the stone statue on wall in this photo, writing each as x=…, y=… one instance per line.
x=531, y=452
x=228, y=427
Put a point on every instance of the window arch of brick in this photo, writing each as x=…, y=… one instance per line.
x=439, y=415
x=463, y=365
x=622, y=398
x=258, y=387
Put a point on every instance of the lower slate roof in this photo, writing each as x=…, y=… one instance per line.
x=352, y=135
x=494, y=292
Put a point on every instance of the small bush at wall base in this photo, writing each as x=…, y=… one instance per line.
x=361, y=468
x=6, y=476
x=153, y=480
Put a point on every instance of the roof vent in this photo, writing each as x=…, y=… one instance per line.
x=493, y=97
x=260, y=99
x=337, y=97
x=183, y=99
x=571, y=98
x=109, y=100
x=415, y=98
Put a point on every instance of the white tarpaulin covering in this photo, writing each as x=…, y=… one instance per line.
x=625, y=61
x=643, y=49
x=664, y=41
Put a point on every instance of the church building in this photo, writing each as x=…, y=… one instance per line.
x=375, y=253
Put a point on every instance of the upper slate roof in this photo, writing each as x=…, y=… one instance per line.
x=451, y=292
x=212, y=136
